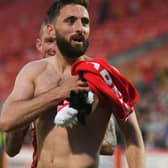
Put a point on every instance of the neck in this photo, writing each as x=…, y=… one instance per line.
x=63, y=63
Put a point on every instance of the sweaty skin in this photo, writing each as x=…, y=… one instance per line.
x=41, y=85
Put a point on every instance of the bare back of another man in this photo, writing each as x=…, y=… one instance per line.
x=41, y=85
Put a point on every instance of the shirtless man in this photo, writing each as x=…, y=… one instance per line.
x=45, y=44
x=41, y=85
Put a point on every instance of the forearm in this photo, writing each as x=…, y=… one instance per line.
x=135, y=155
x=14, y=141
x=19, y=113
x=135, y=148
x=133, y=141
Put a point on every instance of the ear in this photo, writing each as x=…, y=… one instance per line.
x=38, y=45
x=50, y=30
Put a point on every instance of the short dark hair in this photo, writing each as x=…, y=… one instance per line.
x=55, y=7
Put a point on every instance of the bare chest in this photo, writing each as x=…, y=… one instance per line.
x=46, y=81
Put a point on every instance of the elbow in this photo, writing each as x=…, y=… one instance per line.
x=5, y=125
x=7, y=119
x=11, y=153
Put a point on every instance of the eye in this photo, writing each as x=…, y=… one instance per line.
x=49, y=40
x=70, y=20
x=85, y=21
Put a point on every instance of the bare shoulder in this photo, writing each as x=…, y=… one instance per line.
x=34, y=67
x=24, y=83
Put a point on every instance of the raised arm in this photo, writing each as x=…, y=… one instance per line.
x=133, y=141
x=22, y=107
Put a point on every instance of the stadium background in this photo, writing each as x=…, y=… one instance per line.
x=131, y=34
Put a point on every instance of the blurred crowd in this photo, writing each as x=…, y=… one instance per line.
x=152, y=109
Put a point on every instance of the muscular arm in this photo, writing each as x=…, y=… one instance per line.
x=14, y=140
x=134, y=142
x=22, y=107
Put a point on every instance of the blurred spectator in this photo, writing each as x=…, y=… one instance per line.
x=152, y=109
x=103, y=11
x=134, y=6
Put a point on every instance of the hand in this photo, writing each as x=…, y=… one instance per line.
x=73, y=83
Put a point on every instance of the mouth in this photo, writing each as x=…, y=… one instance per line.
x=51, y=52
x=78, y=39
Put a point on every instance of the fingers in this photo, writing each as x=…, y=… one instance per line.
x=83, y=89
x=82, y=86
x=82, y=83
x=74, y=83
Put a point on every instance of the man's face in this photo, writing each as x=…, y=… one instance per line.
x=72, y=30
x=46, y=44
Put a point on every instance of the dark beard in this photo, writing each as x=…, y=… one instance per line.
x=67, y=49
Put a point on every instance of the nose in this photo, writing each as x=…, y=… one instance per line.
x=79, y=26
